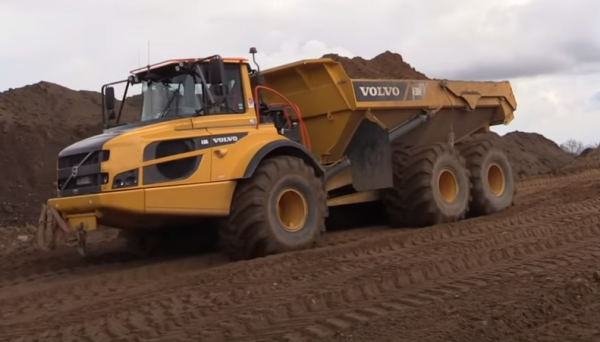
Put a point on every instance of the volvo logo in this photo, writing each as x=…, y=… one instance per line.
x=380, y=91
x=74, y=171
x=221, y=140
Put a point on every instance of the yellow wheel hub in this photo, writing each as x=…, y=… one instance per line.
x=448, y=185
x=292, y=209
x=495, y=179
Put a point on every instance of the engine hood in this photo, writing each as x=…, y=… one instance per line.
x=95, y=143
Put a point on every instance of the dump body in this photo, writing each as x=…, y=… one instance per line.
x=333, y=105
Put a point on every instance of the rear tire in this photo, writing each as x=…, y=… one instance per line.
x=393, y=197
x=432, y=187
x=281, y=208
x=492, y=176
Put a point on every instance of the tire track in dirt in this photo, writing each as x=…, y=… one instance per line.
x=101, y=287
x=580, y=326
x=103, y=278
x=388, y=300
x=365, y=292
x=149, y=334
x=110, y=257
x=67, y=264
x=518, y=303
x=530, y=184
x=32, y=261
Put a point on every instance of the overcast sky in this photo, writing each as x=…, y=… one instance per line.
x=548, y=49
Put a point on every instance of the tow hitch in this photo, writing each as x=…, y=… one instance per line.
x=52, y=229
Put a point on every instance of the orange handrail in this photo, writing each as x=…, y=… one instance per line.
x=294, y=107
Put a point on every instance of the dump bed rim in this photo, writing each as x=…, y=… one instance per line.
x=299, y=63
x=331, y=61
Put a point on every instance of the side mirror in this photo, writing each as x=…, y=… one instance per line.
x=216, y=70
x=109, y=98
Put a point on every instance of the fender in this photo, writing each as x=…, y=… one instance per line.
x=283, y=147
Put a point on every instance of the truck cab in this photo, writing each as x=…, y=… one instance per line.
x=188, y=88
x=196, y=135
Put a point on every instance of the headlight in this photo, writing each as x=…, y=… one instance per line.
x=126, y=179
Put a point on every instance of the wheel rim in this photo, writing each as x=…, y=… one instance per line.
x=496, y=180
x=448, y=186
x=291, y=209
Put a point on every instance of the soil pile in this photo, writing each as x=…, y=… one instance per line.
x=589, y=158
x=387, y=65
x=533, y=154
x=36, y=123
x=593, y=152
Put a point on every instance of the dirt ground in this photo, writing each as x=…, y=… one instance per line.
x=528, y=274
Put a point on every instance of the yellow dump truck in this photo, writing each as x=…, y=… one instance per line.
x=267, y=153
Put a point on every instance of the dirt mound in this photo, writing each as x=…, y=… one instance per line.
x=589, y=158
x=533, y=154
x=387, y=65
x=36, y=122
x=586, y=152
x=594, y=152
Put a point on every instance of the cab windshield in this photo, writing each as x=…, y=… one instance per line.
x=184, y=96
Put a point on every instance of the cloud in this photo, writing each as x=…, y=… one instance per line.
x=595, y=101
x=549, y=50
x=508, y=40
x=558, y=106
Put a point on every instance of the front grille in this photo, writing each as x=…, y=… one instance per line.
x=77, y=178
x=83, y=181
x=97, y=157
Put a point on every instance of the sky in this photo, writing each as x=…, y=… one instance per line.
x=548, y=49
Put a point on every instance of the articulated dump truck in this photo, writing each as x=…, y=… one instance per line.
x=266, y=153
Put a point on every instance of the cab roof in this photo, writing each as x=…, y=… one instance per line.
x=240, y=60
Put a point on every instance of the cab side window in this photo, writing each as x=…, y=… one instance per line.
x=232, y=102
x=235, y=95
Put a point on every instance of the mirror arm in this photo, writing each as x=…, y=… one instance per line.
x=122, y=102
x=211, y=99
x=105, y=120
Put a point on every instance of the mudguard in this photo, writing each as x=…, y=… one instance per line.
x=283, y=147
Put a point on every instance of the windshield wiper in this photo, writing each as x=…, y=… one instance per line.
x=199, y=111
x=164, y=111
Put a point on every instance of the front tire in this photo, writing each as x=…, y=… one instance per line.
x=281, y=208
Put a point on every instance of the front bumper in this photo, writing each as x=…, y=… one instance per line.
x=204, y=199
